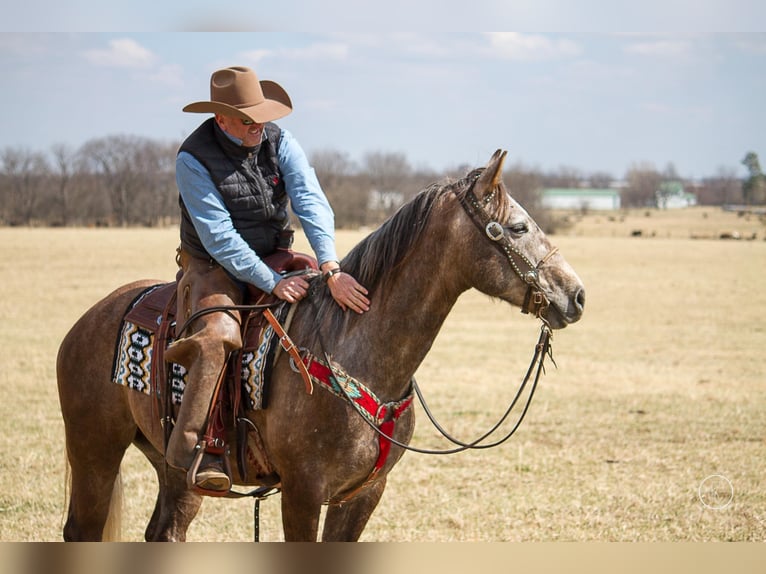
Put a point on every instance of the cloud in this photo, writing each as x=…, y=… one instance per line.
x=122, y=53
x=320, y=51
x=170, y=75
x=531, y=47
x=254, y=57
x=659, y=48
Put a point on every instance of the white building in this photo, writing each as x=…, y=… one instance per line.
x=581, y=199
x=671, y=195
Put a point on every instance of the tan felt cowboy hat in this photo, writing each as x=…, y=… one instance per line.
x=237, y=92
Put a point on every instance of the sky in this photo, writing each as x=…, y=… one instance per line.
x=594, y=101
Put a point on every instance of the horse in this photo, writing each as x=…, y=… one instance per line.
x=454, y=235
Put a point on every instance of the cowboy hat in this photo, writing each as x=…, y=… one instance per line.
x=237, y=92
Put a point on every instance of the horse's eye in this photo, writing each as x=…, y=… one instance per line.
x=518, y=228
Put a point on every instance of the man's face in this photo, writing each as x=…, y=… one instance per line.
x=249, y=133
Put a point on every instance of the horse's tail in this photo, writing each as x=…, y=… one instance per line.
x=113, y=526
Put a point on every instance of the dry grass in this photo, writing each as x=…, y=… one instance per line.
x=660, y=386
x=702, y=222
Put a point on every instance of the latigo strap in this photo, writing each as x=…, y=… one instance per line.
x=288, y=345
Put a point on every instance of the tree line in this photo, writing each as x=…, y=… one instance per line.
x=124, y=180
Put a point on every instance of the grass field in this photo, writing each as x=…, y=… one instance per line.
x=661, y=386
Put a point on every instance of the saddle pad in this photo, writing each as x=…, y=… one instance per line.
x=257, y=358
x=132, y=364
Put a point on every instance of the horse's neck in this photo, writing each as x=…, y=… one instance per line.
x=388, y=343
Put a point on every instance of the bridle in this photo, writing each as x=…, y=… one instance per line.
x=535, y=300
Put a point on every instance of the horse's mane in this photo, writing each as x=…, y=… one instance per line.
x=377, y=255
x=376, y=258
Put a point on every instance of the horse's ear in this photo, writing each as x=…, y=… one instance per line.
x=492, y=175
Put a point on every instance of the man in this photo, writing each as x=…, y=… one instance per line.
x=236, y=174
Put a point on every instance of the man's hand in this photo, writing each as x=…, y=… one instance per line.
x=346, y=291
x=291, y=289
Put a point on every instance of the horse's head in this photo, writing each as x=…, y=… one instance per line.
x=511, y=257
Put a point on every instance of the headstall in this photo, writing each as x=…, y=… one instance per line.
x=535, y=300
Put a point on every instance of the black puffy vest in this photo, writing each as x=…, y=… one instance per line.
x=250, y=183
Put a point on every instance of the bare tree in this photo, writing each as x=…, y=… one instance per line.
x=388, y=174
x=565, y=177
x=525, y=185
x=643, y=180
x=108, y=158
x=64, y=167
x=600, y=179
x=339, y=179
x=25, y=173
x=386, y=170
x=720, y=189
x=157, y=192
x=332, y=167
x=129, y=167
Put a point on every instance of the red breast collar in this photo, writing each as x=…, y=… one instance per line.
x=382, y=415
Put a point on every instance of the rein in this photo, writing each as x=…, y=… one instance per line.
x=230, y=309
x=535, y=302
x=542, y=348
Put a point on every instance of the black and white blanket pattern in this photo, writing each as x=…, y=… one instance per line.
x=133, y=362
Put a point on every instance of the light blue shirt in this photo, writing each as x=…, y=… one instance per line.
x=214, y=226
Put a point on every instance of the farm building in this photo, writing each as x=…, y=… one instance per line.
x=581, y=198
x=671, y=195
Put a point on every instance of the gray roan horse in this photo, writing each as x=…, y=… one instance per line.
x=451, y=237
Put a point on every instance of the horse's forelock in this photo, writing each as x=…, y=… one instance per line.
x=500, y=205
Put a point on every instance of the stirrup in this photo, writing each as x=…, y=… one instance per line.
x=191, y=475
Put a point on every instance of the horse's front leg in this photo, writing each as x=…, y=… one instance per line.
x=301, y=507
x=346, y=522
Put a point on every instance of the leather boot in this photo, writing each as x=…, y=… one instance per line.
x=203, y=349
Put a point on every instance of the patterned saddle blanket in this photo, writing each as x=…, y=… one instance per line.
x=136, y=348
x=149, y=319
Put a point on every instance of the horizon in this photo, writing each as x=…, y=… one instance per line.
x=592, y=102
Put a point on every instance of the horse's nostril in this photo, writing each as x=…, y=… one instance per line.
x=580, y=299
